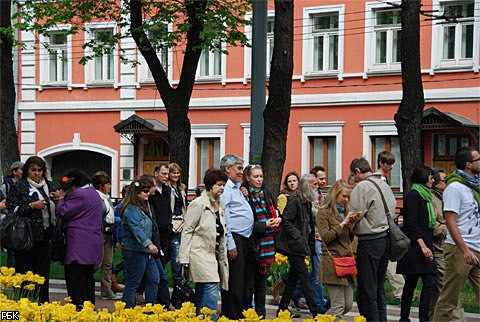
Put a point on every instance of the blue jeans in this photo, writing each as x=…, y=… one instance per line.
x=372, y=261
x=163, y=294
x=206, y=295
x=137, y=265
x=174, y=264
x=317, y=288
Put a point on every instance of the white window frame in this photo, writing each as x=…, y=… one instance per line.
x=143, y=70
x=377, y=128
x=308, y=40
x=437, y=62
x=45, y=63
x=90, y=66
x=370, y=40
x=323, y=129
x=246, y=142
x=247, y=62
x=203, y=131
x=223, y=67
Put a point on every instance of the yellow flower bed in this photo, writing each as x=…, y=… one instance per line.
x=13, y=285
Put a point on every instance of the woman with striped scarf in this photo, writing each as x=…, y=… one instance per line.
x=266, y=222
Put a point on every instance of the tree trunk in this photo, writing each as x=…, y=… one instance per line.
x=408, y=118
x=277, y=111
x=8, y=133
x=176, y=100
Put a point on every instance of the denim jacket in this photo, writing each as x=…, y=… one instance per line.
x=137, y=229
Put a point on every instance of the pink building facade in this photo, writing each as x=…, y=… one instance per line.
x=346, y=90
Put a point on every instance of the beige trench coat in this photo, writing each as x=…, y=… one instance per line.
x=197, y=247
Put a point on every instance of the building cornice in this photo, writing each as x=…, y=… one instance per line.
x=471, y=94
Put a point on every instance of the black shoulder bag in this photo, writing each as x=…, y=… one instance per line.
x=182, y=292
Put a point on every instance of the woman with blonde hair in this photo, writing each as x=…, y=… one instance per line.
x=333, y=222
x=179, y=209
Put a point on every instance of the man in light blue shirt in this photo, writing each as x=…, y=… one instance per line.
x=239, y=221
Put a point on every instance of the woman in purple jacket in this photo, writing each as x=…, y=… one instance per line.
x=80, y=209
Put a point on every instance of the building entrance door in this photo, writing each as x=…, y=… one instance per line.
x=88, y=161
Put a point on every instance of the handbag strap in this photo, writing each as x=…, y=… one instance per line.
x=387, y=211
x=330, y=254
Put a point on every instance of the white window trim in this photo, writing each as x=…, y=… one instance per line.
x=310, y=129
x=437, y=34
x=307, y=42
x=143, y=67
x=246, y=142
x=90, y=66
x=44, y=62
x=214, y=78
x=247, y=62
x=370, y=8
x=377, y=128
x=201, y=131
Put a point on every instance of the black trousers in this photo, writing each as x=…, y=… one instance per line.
x=428, y=281
x=37, y=261
x=80, y=283
x=259, y=288
x=236, y=299
x=298, y=271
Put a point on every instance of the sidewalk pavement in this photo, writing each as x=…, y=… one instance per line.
x=58, y=292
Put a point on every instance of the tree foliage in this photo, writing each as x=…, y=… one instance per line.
x=193, y=25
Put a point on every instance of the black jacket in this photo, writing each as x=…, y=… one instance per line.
x=297, y=236
x=415, y=226
x=19, y=199
x=162, y=210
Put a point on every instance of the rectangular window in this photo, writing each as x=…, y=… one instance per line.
x=57, y=58
x=208, y=156
x=387, y=37
x=210, y=63
x=323, y=151
x=270, y=43
x=325, y=42
x=457, y=36
x=392, y=144
x=445, y=145
x=155, y=34
x=103, y=64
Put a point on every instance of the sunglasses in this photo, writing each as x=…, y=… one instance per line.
x=475, y=160
x=146, y=190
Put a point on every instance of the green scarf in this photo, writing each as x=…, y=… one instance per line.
x=426, y=195
x=455, y=177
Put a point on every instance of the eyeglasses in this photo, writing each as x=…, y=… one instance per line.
x=475, y=160
x=146, y=190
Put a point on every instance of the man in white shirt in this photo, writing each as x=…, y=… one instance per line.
x=239, y=222
x=461, y=200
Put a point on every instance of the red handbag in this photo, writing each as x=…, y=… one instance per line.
x=344, y=266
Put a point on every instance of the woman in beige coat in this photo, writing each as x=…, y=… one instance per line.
x=203, y=250
x=333, y=222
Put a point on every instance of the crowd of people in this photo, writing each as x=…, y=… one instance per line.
x=225, y=240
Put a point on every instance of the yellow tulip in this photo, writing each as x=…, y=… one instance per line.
x=251, y=315
x=359, y=318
